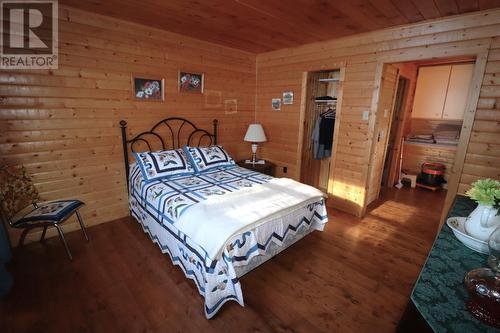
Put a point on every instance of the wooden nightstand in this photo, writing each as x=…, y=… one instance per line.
x=267, y=168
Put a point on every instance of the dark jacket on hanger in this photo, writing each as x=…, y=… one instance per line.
x=322, y=137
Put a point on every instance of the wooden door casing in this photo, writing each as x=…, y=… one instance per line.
x=388, y=88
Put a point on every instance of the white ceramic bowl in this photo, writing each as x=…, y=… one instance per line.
x=457, y=225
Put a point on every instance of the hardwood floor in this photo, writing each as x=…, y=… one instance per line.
x=356, y=276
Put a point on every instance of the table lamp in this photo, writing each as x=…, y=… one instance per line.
x=255, y=133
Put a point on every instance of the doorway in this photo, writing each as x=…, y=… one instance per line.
x=427, y=102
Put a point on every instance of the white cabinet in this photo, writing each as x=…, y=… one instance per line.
x=430, y=93
x=458, y=91
x=442, y=91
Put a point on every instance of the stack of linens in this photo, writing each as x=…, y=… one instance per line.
x=447, y=134
x=423, y=138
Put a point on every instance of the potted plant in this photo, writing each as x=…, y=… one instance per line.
x=485, y=218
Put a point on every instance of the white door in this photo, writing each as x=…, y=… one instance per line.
x=430, y=94
x=458, y=91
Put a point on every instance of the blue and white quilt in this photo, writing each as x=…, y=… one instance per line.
x=214, y=221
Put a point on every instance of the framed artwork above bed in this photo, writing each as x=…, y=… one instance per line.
x=148, y=89
x=191, y=82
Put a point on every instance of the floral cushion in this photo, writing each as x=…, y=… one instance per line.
x=55, y=211
x=163, y=164
x=206, y=158
x=16, y=190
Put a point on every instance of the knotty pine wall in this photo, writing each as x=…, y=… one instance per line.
x=483, y=153
x=63, y=124
x=283, y=70
x=414, y=155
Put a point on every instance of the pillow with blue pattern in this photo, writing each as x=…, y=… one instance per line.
x=163, y=164
x=206, y=158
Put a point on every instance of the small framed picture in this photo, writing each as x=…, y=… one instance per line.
x=191, y=82
x=276, y=104
x=288, y=97
x=148, y=89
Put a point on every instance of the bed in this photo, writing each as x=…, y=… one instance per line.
x=217, y=224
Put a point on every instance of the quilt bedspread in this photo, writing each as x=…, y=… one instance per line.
x=158, y=205
x=169, y=199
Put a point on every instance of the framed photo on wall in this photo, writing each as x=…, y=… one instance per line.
x=148, y=89
x=276, y=104
x=191, y=82
x=288, y=97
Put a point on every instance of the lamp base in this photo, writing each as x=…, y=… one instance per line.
x=254, y=152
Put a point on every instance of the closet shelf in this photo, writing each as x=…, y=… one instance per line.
x=332, y=101
x=329, y=80
x=432, y=145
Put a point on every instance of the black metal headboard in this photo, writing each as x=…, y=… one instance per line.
x=173, y=127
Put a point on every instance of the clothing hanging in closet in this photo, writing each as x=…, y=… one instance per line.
x=322, y=135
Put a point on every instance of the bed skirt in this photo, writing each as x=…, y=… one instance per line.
x=217, y=280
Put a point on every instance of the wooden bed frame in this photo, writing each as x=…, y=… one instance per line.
x=175, y=125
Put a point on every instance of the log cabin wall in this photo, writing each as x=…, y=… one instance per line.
x=362, y=55
x=63, y=124
x=415, y=154
x=483, y=153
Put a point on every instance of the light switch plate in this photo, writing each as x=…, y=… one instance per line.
x=386, y=113
x=366, y=115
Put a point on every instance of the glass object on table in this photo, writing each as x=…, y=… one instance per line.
x=494, y=246
x=483, y=286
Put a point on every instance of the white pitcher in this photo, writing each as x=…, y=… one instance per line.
x=481, y=222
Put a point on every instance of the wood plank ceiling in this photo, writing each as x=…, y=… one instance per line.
x=265, y=25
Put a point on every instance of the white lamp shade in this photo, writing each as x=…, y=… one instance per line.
x=255, y=133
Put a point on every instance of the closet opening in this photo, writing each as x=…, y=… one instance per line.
x=322, y=93
x=418, y=127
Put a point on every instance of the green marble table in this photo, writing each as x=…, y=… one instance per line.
x=439, y=293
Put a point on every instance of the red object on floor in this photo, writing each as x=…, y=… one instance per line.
x=433, y=168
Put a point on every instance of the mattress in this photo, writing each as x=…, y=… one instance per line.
x=162, y=207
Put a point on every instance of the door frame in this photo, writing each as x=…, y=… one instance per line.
x=480, y=53
x=375, y=138
x=302, y=114
x=395, y=159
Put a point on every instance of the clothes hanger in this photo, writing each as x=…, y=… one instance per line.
x=330, y=113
